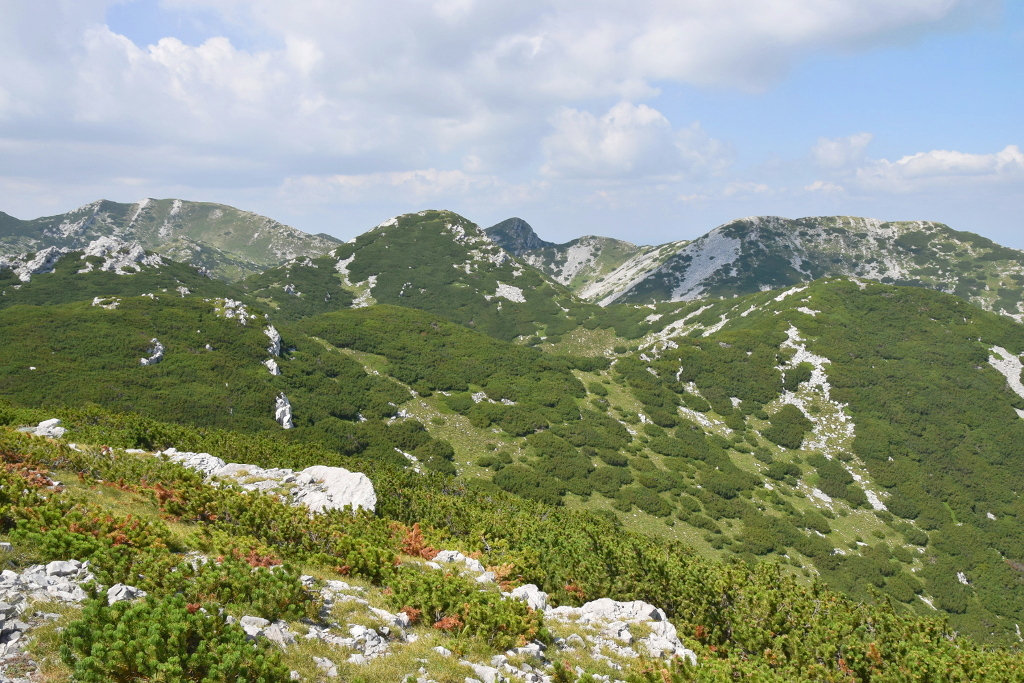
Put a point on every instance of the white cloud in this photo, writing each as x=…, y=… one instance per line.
x=425, y=77
x=824, y=186
x=735, y=190
x=943, y=170
x=627, y=141
x=840, y=152
x=406, y=187
x=411, y=100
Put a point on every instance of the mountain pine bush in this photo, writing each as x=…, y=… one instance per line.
x=164, y=639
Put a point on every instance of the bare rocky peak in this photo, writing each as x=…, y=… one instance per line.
x=516, y=236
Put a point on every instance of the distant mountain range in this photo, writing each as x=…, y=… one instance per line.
x=220, y=240
x=767, y=252
x=744, y=256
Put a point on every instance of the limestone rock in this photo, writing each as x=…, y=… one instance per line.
x=42, y=262
x=452, y=556
x=156, y=353
x=120, y=592
x=63, y=568
x=319, y=488
x=534, y=597
x=283, y=411
x=609, y=610
x=334, y=488
x=204, y=462
x=120, y=256
x=327, y=666
x=50, y=428
x=485, y=674
x=613, y=618
x=275, y=340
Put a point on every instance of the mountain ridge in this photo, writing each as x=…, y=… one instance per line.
x=223, y=241
x=764, y=252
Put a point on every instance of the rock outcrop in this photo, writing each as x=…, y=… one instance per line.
x=119, y=256
x=319, y=488
x=283, y=411
x=48, y=428
x=60, y=581
x=612, y=619
x=156, y=353
x=275, y=340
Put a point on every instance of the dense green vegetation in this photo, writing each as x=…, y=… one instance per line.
x=449, y=268
x=212, y=375
x=713, y=436
x=936, y=429
x=313, y=287
x=581, y=441
x=162, y=639
x=743, y=621
x=65, y=284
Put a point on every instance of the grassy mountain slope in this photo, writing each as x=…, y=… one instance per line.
x=692, y=437
x=743, y=622
x=899, y=405
x=222, y=240
x=865, y=433
x=436, y=261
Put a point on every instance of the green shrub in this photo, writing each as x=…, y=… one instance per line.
x=781, y=471
x=608, y=480
x=795, y=376
x=613, y=458
x=164, y=639
x=788, y=427
x=456, y=604
x=645, y=499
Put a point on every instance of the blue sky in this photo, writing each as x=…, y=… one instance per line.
x=649, y=121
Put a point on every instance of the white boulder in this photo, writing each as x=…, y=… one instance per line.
x=332, y=488
x=120, y=256
x=534, y=597
x=42, y=262
x=120, y=592
x=606, y=609
x=50, y=428
x=450, y=556
x=204, y=462
x=326, y=666
x=614, y=617
x=319, y=488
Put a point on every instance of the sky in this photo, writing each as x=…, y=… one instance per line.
x=646, y=120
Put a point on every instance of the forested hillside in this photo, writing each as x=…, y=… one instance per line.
x=436, y=261
x=738, y=461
